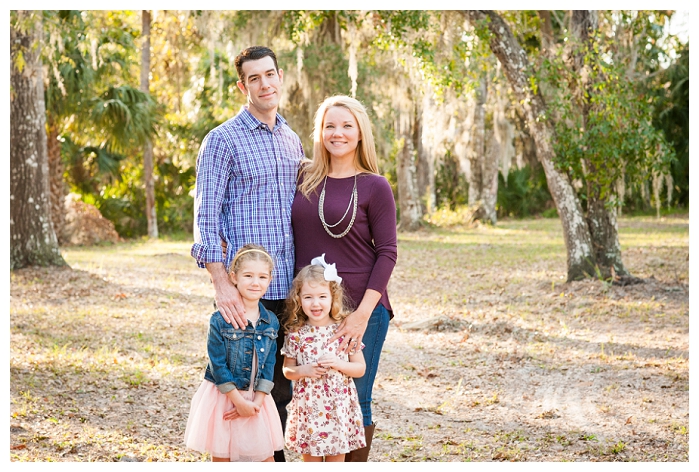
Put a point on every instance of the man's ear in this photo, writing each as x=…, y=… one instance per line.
x=242, y=88
x=280, y=73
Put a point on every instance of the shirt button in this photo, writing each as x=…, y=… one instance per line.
x=262, y=350
x=259, y=337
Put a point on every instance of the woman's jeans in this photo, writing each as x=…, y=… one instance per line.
x=373, y=340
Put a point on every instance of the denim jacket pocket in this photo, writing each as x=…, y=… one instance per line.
x=269, y=336
x=267, y=358
x=233, y=339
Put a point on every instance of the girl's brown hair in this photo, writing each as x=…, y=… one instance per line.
x=295, y=317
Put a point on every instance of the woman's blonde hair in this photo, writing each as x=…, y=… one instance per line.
x=295, y=317
x=251, y=252
x=364, y=157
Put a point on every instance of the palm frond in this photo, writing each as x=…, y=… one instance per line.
x=126, y=115
x=105, y=161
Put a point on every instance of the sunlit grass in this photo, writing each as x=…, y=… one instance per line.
x=124, y=330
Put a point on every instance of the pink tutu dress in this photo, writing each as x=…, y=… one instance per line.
x=249, y=439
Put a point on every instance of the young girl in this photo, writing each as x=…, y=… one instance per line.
x=325, y=419
x=232, y=415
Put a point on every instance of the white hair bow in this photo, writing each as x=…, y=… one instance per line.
x=330, y=272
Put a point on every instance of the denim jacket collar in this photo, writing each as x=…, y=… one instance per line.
x=264, y=314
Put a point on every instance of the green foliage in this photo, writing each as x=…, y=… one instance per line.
x=21, y=24
x=70, y=72
x=125, y=115
x=123, y=200
x=296, y=23
x=93, y=63
x=671, y=115
x=88, y=168
x=101, y=117
x=450, y=183
x=444, y=64
x=523, y=194
x=615, y=136
x=175, y=205
x=123, y=118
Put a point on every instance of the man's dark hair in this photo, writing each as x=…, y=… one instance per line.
x=253, y=53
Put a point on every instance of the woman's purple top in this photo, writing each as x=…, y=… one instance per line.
x=364, y=257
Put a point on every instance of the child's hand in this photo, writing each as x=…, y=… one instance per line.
x=243, y=409
x=231, y=414
x=312, y=371
x=241, y=406
x=330, y=361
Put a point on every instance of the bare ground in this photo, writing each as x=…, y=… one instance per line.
x=490, y=357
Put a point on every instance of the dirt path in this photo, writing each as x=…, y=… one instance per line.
x=491, y=357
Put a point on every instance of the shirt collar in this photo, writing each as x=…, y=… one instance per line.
x=251, y=122
x=264, y=314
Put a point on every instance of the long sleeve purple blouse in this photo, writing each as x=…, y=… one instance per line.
x=366, y=255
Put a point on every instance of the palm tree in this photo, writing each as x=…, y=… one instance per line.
x=92, y=123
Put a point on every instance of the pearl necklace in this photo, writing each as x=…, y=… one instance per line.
x=321, y=213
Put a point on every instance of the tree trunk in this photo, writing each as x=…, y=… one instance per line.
x=546, y=31
x=148, y=150
x=527, y=146
x=476, y=152
x=503, y=127
x=605, y=239
x=408, y=196
x=56, y=182
x=425, y=171
x=489, y=192
x=484, y=156
x=601, y=220
x=580, y=257
x=32, y=237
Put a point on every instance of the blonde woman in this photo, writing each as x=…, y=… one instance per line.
x=345, y=209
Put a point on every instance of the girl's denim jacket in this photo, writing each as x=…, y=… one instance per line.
x=231, y=353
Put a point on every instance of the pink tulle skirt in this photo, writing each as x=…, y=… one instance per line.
x=249, y=439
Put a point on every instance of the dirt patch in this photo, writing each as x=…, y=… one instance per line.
x=489, y=357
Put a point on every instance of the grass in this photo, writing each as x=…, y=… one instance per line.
x=104, y=357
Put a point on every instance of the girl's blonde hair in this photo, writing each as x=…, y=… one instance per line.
x=251, y=252
x=364, y=157
x=295, y=317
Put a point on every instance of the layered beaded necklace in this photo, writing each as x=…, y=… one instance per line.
x=352, y=203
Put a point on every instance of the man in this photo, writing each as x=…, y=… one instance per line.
x=246, y=180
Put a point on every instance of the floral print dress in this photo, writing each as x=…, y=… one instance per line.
x=324, y=416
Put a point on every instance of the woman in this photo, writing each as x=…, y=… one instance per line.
x=345, y=209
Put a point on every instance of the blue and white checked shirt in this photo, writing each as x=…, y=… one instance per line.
x=246, y=181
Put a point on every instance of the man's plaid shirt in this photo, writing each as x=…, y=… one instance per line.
x=246, y=180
